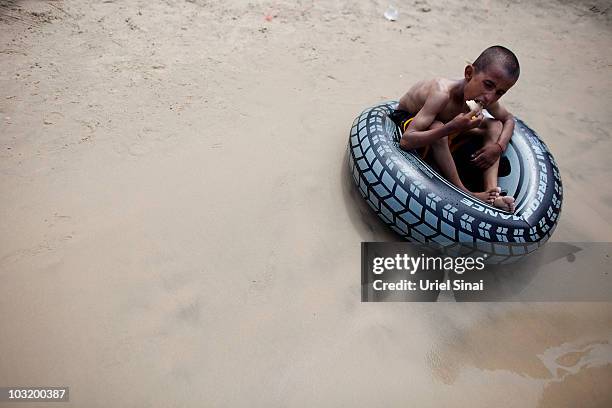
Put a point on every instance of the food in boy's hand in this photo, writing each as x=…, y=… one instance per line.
x=474, y=106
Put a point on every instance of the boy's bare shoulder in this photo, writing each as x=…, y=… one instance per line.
x=436, y=90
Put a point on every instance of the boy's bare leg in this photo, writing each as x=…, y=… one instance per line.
x=493, y=129
x=446, y=164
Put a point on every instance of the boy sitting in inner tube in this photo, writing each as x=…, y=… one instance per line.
x=434, y=111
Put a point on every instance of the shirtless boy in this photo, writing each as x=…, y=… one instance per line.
x=442, y=113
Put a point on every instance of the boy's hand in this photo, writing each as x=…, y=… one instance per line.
x=466, y=121
x=485, y=157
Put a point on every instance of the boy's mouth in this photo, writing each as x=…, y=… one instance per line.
x=475, y=104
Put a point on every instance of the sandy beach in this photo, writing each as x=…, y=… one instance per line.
x=178, y=226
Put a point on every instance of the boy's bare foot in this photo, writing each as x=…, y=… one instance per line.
x=505, y=203
x=488, y=196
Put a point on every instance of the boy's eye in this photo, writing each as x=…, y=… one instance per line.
x=488, y=84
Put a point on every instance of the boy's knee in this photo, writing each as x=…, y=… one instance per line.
x=496, y=127
x=436, y=124
x=442, y=142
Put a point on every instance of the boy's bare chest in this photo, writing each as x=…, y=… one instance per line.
x=451, y=110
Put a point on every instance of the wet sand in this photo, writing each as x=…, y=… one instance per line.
x=178, y=227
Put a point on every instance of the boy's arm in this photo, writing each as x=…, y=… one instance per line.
x=418, y=133
x=500, y=113
x=486, y=156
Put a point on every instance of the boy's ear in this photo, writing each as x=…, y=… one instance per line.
x=469, y=72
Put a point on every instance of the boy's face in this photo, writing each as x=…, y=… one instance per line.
x=486, y=86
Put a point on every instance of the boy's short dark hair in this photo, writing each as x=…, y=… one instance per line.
x=501, y=55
